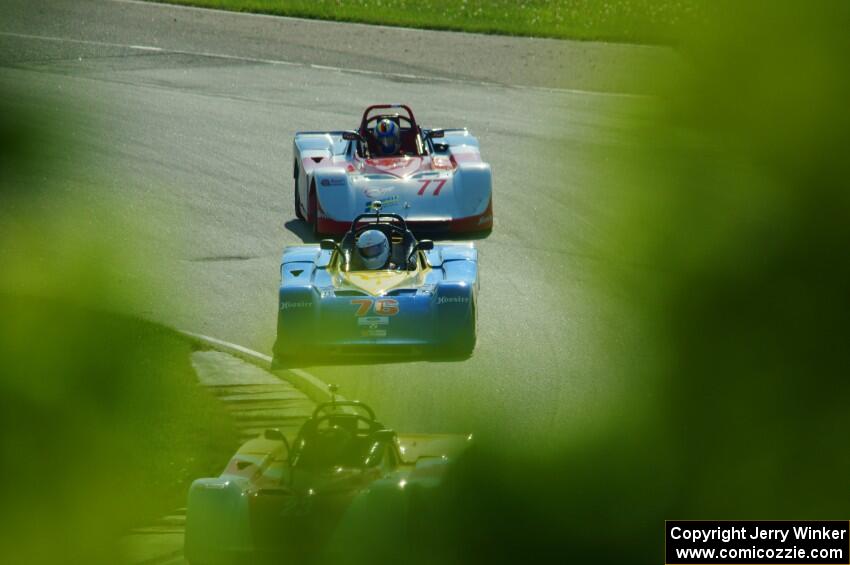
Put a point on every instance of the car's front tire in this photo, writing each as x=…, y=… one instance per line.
x=298, y=213
x=313, y=210
x=464, y=343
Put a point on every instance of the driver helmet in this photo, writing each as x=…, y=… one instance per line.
x=388, y=136
x=373, y=249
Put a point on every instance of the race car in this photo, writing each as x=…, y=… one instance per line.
x=345, y=484
x=328, y=307
x=435, y=179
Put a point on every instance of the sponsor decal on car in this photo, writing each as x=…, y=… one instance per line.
x=374, y=333
x=376, y=192
x=332, y=181
x=289, y=305
x=385, y=203
x=452, y=300
x=373, y=321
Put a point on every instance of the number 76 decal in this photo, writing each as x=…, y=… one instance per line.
x=383, y=306
x=438, y=184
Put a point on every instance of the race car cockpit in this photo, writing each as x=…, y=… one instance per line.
x=413, y=141
x=340, y=434
x=403, y=245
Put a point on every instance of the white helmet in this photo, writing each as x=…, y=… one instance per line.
x=388, y=136
x=373, y=248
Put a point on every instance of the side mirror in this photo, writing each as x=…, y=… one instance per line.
x=434, y=133
x=351, y=136
x=425, y=245
x=384, y=436
x=328, y=245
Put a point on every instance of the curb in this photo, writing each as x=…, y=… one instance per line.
x=315, y=389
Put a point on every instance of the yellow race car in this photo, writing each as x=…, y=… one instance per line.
x=345, y=482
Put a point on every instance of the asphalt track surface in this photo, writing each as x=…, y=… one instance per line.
x=187, y=118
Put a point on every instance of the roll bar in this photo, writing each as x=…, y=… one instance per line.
x=404, y=107
x=339, y=403
x=378, y=217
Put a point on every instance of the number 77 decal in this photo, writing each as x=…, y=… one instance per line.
x=426, y=182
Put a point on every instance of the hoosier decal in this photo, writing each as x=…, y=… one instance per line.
x=289, y=305
x=452, y=300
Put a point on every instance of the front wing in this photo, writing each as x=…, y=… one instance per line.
x=404, y=323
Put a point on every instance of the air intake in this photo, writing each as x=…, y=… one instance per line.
x=350, y=293
x=402, y=292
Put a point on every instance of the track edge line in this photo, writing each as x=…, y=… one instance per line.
x=315, y=389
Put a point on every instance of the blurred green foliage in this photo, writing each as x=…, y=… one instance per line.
x=640, y=21
x=103, y=422
x=729, y=242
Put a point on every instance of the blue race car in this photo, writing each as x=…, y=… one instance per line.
x=426, y=305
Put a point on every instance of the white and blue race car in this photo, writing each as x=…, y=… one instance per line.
x=436, y=181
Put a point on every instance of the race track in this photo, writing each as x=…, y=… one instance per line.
x=187, y=117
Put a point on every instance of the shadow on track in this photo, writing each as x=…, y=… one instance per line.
x=316, y=360
x=302, y=230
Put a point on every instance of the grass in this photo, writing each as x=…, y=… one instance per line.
x=635, y=21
